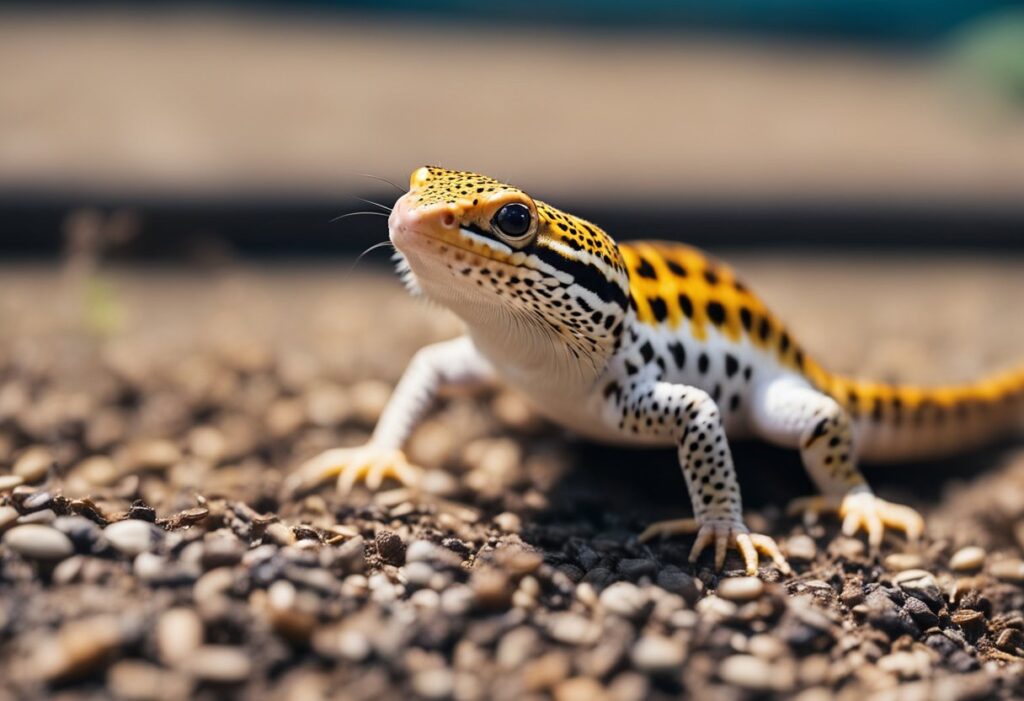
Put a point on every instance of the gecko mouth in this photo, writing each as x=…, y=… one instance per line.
x=468, y=239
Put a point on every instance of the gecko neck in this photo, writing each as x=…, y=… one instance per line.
x=527, y=350
x=534, y=355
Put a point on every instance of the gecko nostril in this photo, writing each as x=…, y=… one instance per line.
x=448, y=220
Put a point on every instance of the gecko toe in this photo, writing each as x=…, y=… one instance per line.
x=678, y=526
x=769, y=547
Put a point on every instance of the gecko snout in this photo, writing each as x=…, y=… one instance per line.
x=409, y=221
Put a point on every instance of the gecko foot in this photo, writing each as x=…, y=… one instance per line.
x=724, y=534
x=367, y=462
x=862, y=510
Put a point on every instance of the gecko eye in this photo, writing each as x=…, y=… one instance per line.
x=512, y=220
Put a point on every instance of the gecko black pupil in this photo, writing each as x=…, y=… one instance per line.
x=513, y=219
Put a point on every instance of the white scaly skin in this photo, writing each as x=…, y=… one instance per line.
x=552, y=313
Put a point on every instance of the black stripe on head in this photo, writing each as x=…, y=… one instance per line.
x=586, y=276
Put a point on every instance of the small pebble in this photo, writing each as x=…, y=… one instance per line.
x=279, y=533
x=508, y=522
x=517, y=646
x=740, y=588
x=39, y=542
x=33, y=464
x=98, y=470
x=433, y=683
x=967, y=559
x=79, y=648
x=8, y=515
x=1009, y=570
x=572, y=629
x=751, y=673
x=624, y=599
x=492, y=587
x=220, y=664
x=801, y=547
x=922, y=584
x=545, y=671
x=8, y=482
x=678, y=582
x=656, y=654
x=716, y=606
x=457, y=599
x=897, y=562
x=134, y=680
x=579, y=689
x=131, y=537
x=178, y=633
x=390, y=547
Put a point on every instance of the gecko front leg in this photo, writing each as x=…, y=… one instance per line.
x=433, y=368
x=691, y=417
x=791, y=413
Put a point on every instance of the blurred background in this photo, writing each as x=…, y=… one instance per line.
x=243, y=128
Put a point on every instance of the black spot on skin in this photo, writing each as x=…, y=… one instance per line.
x=765, y=329
x=734, y=402
x=798, y=356
x=784, y=342
x=630, y=368
x=678, y=354
x=876, y=410
x=732, y=365
x=613, y=388
x=676, y=268
x=658, y=308
x=717, y=393
x=647, y=352
x=819, y=430
x=897, y=411
x=711, y=276
x=746, y=318
x=716, y=312
x=645, y=269
x=583, y=304
x=702, y=363
x=686, y=305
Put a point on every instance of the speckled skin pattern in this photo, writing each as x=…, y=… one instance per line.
x=648, y=343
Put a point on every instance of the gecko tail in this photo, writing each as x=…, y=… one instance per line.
x=905, y=422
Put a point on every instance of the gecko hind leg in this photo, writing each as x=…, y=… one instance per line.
x=791, y=413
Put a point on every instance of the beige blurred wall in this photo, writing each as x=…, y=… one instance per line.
x=208, y=104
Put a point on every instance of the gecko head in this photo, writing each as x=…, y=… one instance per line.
x=486, y=249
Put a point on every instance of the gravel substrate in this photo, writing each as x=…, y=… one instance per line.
x=148, y=551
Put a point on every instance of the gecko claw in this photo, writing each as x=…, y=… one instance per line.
x=368, y=462
x=862, y=511
x=723, y=534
